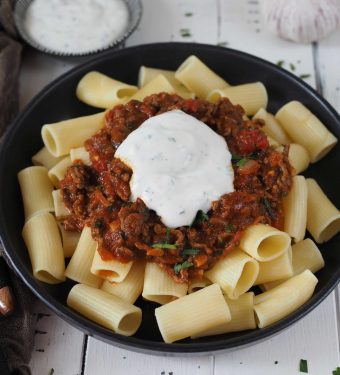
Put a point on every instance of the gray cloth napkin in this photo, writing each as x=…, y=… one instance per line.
x=17, y=330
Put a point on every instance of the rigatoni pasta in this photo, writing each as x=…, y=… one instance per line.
x=188, y=316
x=60, y=137
x=45, y=159
x=44, y=246
x=101, y=91
x=36, y=190
x=198, y=78
x=158, y=84
x=160, y=287
x=306, y=129
x=105, y=309
x=251, y=96
x=295, y=209
x=235, y=273
x=282, y=300
x=264, y=242
x=57, y=172
x=323, y=218
x=131, y=287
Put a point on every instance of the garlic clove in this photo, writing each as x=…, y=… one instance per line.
x=301, y=20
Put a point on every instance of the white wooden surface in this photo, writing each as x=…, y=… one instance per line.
x=236, y=24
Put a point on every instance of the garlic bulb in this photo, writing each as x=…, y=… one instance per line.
x=301, y=20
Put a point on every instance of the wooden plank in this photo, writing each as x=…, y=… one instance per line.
x=241, y=27
x=105, y=359
x=177, y=20
x=57, y=345
x=312, y=338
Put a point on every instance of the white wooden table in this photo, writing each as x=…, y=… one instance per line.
x=236, y=24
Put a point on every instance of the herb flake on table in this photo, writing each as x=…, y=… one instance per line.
x=280, y=63
x=304, y=76
x=51, y=371
x=188, y=14
x=182, y=266
x=185, y=33
x=164, y=246
x=303, y=366
x=222, y=44
x=292, y=67
x=336, y=371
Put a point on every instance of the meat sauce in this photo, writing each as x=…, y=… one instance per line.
x=98, y=195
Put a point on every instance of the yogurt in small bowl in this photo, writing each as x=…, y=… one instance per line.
x=76, y=27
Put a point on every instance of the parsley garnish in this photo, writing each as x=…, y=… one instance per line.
x=182, y=266
x=292, y=67
x=185, y=33
x=303, y=365
x=51, y=371
x=188, y=14
x=241, y=162
x=280, y=63
x=203, y=216
x=336, y=371
x=229, y=228
x=190, y=251
x=304, y=76
x=164, y=246
x=268, y=207
x=167, y=236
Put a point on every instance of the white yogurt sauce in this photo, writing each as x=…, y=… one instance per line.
x=77, y=26
x=179, y=166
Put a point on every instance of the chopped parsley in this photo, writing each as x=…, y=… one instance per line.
x=280, y=63
x=99, y=223
x=185, y=33
x=303, y=366
x=190, y=251
x=182, y=266
x=229, y=228
x=188, y=14
x=164, y=246
x=336, y=371
x=292, y=67
x=268, y=207
x=304, y=76
x=241, y=162
x=203, y=216
x=167, y=235
x=222, y=44
x=51, y=371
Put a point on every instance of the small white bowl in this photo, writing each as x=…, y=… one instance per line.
x=135, y=13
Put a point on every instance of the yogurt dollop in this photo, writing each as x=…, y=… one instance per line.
x=179, y=166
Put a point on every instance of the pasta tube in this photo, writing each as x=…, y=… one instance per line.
x=101, y=91
x=131, y=287
x=61, y=136
x=264, y=242
x=272, y=127
x=45, y=159
x=157, y=85
x=305, y=256
x=276, y=269
x=306, y=129
x=80, y=153
x=235, y=273
x=198, y=78
x=295, y=209
x=251, y=96
x=298, y=157
x=105, y=309
x=192, y=314
x=197, y=284
x=242, y=316
x=44, y=246
x=111, y=270
x=36, y=190
x=60, y=209
x=160, y=287
x=282, y=300
x=80, y=264
x=323, y=218
x=70, y=241
x=147, y=74
x=57, y=173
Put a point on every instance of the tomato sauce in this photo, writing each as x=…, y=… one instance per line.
x=98, y=195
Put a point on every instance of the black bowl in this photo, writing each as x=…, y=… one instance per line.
x=58, y=102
